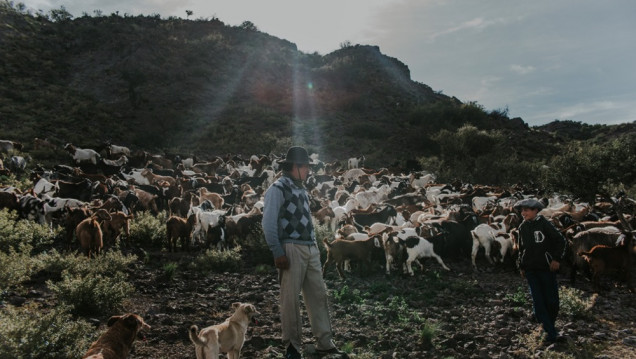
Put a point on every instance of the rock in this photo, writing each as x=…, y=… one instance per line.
x=16, y=301
x=631, y=341
x=461, y=337
x=483, y=354
x=600, y=335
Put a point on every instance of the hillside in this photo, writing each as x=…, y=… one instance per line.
x=206, y=88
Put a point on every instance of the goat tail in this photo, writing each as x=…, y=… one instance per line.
x=194, y=337
x=326, y=242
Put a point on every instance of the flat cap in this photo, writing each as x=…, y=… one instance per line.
x=529, y=203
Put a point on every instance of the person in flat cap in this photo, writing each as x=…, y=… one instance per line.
x=541, y=249
x=290, y=235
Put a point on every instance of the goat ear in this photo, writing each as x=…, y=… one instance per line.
x=113, y=320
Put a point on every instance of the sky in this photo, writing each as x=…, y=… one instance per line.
x=541, y=60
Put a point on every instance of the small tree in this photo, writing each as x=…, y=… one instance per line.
x=188, y=13
x=60, y=14
x=248, y=25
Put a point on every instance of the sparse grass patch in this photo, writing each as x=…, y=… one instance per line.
x=519, y=298
x=347, y=347
x=170, y=270
x=346, y=295
x=218, y=261
x=263, y=269
x=573, y=303
x=30, y=332
x=427, y=332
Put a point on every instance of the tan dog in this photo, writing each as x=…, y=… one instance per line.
x=118, y=339
x=227, y=337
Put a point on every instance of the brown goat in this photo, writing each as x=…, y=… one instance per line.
x=213, y=197
x=341, y=250
x=605, y=259
x=177, y=227
x=74, y=216
x=112, y=228
x=90, y=234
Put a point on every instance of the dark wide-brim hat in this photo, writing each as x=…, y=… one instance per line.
x=297, y=155
x=529, y=203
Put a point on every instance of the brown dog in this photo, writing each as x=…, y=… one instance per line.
x=118, y=339
x=227, y=337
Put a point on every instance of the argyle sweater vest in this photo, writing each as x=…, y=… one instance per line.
x=294, y=217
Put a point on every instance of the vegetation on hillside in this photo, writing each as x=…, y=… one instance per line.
x=203, y=87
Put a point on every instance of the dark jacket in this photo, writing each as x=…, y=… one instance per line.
x=540, y=243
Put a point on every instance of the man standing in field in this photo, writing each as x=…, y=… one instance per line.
x=289, y=233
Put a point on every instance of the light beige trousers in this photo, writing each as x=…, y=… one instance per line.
x=304, y=274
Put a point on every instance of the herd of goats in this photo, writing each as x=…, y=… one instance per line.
x=391, y=215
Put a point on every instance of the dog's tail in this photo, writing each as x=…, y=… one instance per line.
x=194, y=337
x=326, y=242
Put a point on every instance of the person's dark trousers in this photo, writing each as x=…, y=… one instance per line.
x=545, y=299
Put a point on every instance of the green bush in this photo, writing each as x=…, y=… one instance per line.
x=218, y=261
x=573, y=303
x=15, y=267
x=147, y=230
x=89, y=287
x=109, y=263
x=30, y=332
x=94, y=294
x=255, y=249
x=14, y=233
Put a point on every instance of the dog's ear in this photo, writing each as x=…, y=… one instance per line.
x=236, y=305
x=113, y=320
x=250, y=309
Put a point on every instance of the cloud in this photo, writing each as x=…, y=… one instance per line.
x=474, y=24
x=522, y=70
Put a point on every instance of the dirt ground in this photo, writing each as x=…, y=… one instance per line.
x=435, y=314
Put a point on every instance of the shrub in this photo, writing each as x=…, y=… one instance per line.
x=218, y=261
x=573, y=304
x=14, y=233
x=15, y=267
x=147, y=230
x=255, y=249
x=110, y=263
x=30, y=332
x=89, y=286
x=94, y=294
